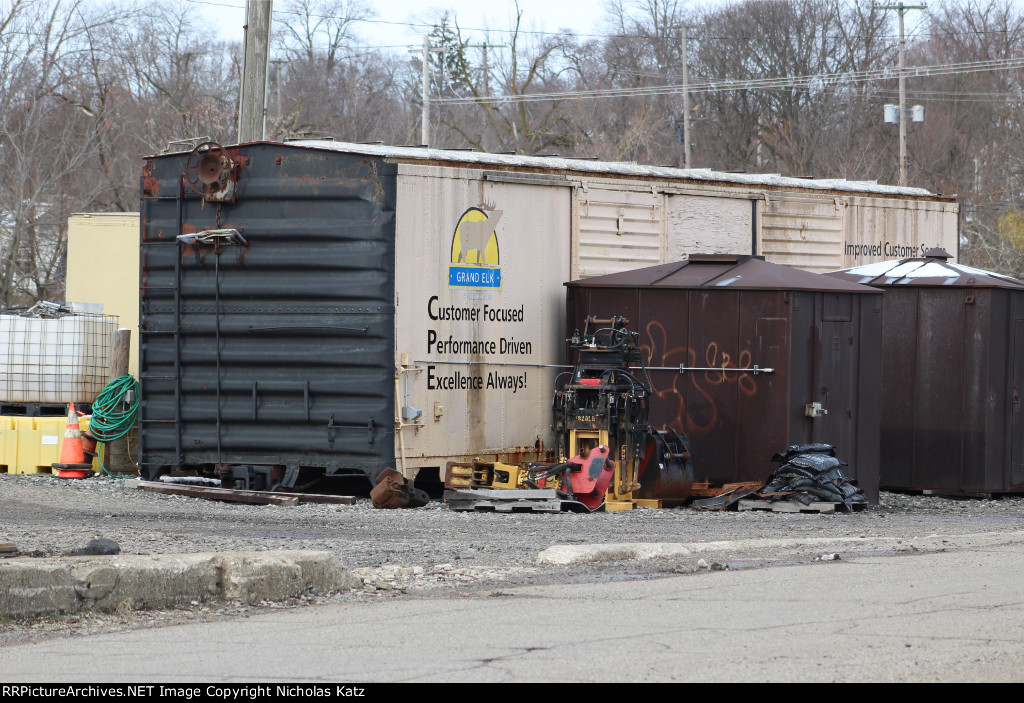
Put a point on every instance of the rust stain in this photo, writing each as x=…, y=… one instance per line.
x=242, y=253
x=524, y=454
x=150, y=184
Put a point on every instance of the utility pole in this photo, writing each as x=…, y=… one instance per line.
x=686, y=105
x=252, y=100
x=425, y=124
x=487, y=87
x=277, y=85
x=903, y=88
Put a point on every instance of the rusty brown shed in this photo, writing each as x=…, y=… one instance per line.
x=730, y=317
x=952, y=375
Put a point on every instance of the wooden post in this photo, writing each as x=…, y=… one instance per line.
x=120, y=343
x=252, y=100
x=116, y=455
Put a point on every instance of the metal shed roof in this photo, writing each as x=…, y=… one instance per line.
x=723, y=271
x=927, y=271
x=612, y=168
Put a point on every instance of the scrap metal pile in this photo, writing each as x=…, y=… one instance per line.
x=808, y=474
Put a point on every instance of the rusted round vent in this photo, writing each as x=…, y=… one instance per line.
x=208, y=168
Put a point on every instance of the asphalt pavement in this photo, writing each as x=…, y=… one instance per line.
x=955, y=615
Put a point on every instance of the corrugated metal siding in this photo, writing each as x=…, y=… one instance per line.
x=283, y=351
x=802, y=232
x=1016, y=411
x=618, y=230
x=877, y=229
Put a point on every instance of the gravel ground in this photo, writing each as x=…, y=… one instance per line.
x=431, y=550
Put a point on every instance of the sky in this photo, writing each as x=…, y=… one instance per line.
x=389, y=28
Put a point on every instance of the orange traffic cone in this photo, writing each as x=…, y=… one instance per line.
x=72, y=457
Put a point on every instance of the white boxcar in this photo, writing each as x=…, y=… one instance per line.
x=479, y=358
x=483, y=244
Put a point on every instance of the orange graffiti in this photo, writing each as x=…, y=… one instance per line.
x=700, y=420
x=743, y=379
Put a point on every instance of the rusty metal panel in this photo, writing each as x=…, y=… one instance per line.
x=737, y=420
x=275, y=347
x=940, y=379
x=976, y=360
x=1016, y=401
x=949, y=359
x=698, y=224
x=802, y=232
x=899, y=403
x=475, y=348
x=766, y=331
x=618, y=230
x=836, y=374
x=663, y=319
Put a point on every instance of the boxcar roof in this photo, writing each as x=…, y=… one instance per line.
x=612, y=168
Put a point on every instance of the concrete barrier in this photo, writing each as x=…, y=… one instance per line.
x=68, y=584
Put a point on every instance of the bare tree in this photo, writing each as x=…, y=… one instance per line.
x=792, y=130
x=46, y=143
x=528, y=66
x=971, y=141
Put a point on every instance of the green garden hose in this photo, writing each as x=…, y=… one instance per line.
x=110, y=419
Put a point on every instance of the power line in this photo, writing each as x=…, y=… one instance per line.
x=815, y=81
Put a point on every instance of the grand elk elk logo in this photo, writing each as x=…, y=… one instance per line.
x=475, y=260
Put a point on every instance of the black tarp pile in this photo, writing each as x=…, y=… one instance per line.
x=808, y=473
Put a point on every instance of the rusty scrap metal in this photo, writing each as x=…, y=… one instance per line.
x=394, y=491
x=232, y=495
x=225, y=494
x=727, y=496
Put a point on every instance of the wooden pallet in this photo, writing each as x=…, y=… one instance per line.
x=522, y=500
x=794, y=506
x=788, y=506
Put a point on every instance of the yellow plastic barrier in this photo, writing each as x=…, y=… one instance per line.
x=36, y=443
x=8, y=444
